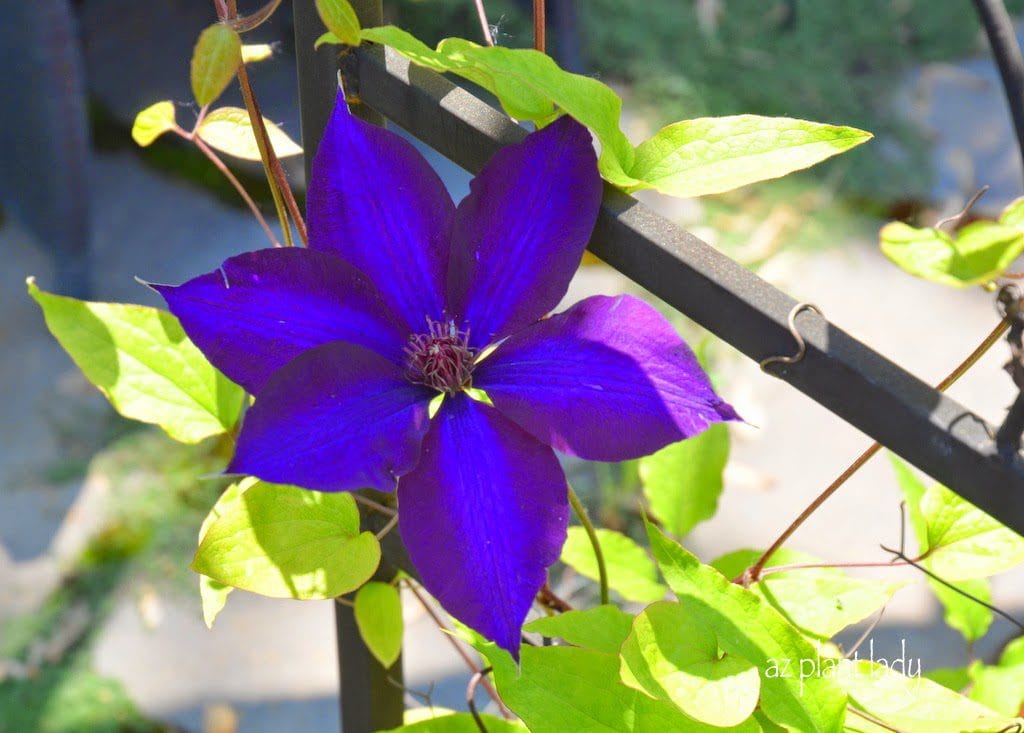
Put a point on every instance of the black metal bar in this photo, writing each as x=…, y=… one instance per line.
x=1002, y=37
x=859, y=385
x=371, y=698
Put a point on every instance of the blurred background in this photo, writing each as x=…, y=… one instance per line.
x=100, y=623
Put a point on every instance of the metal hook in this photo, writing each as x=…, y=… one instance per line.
x=801, y=344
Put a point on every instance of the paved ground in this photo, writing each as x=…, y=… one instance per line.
x=273, y=660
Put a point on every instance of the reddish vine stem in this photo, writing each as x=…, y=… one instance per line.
x=753, y=573
x=284, y=201
x=458, y=647
x=219, y=164
x=485, y=27
x=539, y=25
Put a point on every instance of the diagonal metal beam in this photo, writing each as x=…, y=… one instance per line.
x=935, y=433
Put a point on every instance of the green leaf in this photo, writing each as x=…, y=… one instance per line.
x=820, y=602
x=1013, y=654
x=602, y=628
x=287, y=542
x=327, y=37
x=564, y=688
x=671, y=656
x=980, y=252
x=1013, y=214
x=229, y=130
x=912, y=704
x=913, y=491
x=952, y=678
x=957, y=541
x=966, y=616
x=255, y=52
x=965, y=542
x=748, y=627
x=448, y=721
x=715, y=154
x=213, y=593
x=630, y=571
x=340, y=19
x=378, y=612
x=1000, y=688
x=141, y=360
x=683, y=481
x=215, y=60
x=153, y=122
x=530, y=86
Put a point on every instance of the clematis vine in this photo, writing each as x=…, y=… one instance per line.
x=402, y=297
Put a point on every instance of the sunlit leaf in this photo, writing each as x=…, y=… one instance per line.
x=716, y=154
x=340, y=19
x=968, y=617
x=683, y=481
x=530, y=86
x=1013, y=214
x=748, y=627
x=957, y=541
x=440, y=720
x=1013, y=654
x=1000, y=688
x=378, y=612
x=631, y=573
x=229, y=130
x=819, y=601
x=215, y=60
x=287, y=542
x=672, y=656
x=977, y=254
x=952, y=678
x=141, y=360
x=213, y=593
x=602, y=628
x=566, y=688
x=153, y=122
x=912, y=704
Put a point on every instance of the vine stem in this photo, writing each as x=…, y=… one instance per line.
x=539, y=25
x=581, y=514
x=220, y=165
x=485, y=27
x=284, y=201
x=754, y=572
x=492, y=693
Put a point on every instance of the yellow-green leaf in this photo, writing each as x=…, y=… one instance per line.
x=631, y=572
x=286, y=542
x=327, y=37
x=340, y=19
x=716, y=154
x=978, y=254
x=212, y=593
x=215, y=60
x=153, y=122
x=378, y=612
x=141, y=360
x=672, y=656
x=229, y=130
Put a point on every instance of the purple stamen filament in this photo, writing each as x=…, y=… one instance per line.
x=441, y=358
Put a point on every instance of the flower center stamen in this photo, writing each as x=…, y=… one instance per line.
x=441, y=359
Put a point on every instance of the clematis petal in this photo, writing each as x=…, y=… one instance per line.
x=336, y=418
x=520, y=233
x=483, y=515
x=608, y=380
x=375, y=202
x=263, y=308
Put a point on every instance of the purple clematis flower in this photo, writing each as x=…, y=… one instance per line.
x=402, y=296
